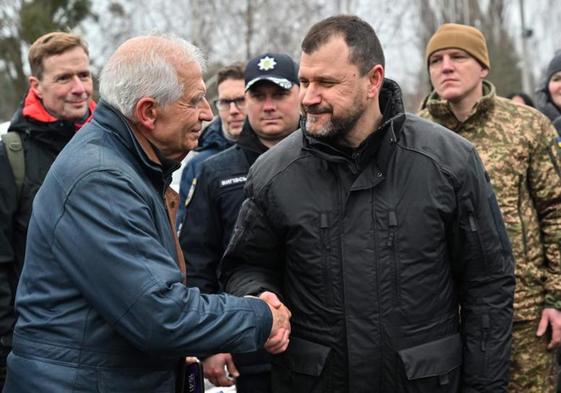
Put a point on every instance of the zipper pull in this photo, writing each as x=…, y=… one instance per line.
x=323, y=224
x=485, y=324
x=472, y=223
x=392, y=224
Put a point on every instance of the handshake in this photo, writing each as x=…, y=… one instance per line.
x=220, y=369
x=280, y=331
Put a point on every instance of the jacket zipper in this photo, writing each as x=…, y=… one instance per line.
x=485, y=327
x=325, y=253
x=392, y=224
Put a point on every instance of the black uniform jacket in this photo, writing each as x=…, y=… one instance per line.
x=393, y=259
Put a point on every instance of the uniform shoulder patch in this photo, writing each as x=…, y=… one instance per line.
x=232, y=181
x=191, y=192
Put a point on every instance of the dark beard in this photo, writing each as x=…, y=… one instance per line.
x=338, y=127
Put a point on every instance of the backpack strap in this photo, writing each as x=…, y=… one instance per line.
x=14, y=150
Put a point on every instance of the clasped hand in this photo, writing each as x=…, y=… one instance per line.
x=280, y=331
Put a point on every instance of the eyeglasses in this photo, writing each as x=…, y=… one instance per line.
x=224, y=104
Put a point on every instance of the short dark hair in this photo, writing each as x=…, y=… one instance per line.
x=51, y=44
x=364, y=47
x=233, y=71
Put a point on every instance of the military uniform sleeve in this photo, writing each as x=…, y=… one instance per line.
x=201, y=235
x=544, y=181
x=108, y=244
x=484, y=270
x=253, y=261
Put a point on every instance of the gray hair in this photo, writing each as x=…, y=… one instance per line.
x=145, y=68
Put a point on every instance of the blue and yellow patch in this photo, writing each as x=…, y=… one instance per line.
x=558, y=141
x=191, y=192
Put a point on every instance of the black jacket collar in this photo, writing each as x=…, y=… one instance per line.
x=378, y=145
x=249, y=140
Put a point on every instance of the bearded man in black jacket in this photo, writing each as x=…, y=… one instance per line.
x=380, y=232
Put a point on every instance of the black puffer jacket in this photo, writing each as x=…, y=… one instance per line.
x=375, y=252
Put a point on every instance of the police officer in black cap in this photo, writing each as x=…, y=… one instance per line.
x=272, y=107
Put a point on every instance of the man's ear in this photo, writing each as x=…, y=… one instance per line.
x=146, y=112
x=35, y=86
x=375, y=80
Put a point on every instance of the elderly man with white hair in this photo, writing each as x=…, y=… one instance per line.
x=102, y=301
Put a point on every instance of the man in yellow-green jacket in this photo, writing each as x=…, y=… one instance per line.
x=520, y=150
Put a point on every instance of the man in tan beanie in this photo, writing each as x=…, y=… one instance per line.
x=519, y=149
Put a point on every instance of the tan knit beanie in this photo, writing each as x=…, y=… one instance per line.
x=466, y=38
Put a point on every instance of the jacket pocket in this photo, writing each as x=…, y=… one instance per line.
x=474, y=254
x=433, y=366
x=300, y=368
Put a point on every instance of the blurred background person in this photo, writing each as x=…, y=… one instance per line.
x=549, y=94
x=521, y=98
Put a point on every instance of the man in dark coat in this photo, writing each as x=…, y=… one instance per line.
x=102, y=300
x=380, y=232
x=56, y=105
x=272, y=114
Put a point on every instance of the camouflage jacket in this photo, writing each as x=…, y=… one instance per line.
x=519, y=148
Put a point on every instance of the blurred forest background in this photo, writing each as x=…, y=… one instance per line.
x=522, y=35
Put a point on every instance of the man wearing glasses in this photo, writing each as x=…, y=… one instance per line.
x=221, y=133
x=271, y=96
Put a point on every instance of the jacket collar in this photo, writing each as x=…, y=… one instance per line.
x=378, y=146
x=249, y=140
x=440, y=109
x=159, y=167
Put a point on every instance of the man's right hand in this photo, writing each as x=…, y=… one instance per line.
x=215, y=372
x=280, y=331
